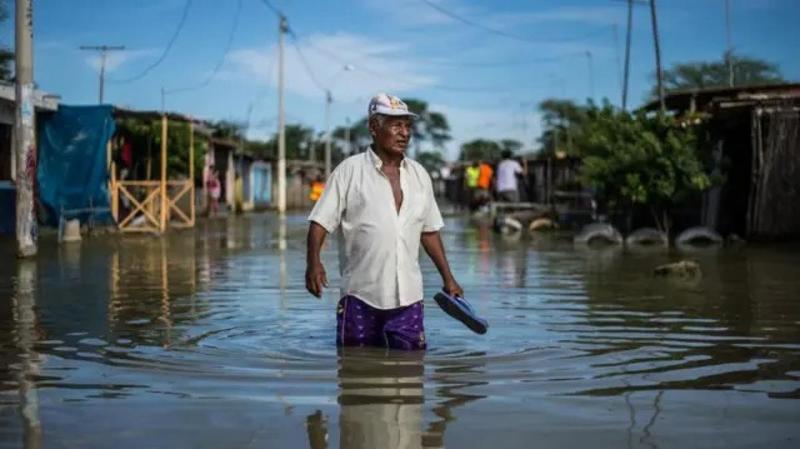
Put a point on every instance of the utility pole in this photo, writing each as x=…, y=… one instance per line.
x=591, y=74
x=328, y=101
x=283, y=27
x=729, y=51
x=25, y=140
x=616, y=55
x=659, y=72
x=103, y=49
x=627, y=57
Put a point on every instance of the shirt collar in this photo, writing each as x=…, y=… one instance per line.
x=378, y=163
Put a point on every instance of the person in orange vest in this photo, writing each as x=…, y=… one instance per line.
x=317, y=187
x=485, y=180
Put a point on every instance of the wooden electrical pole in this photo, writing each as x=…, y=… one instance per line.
x=627, y=57
x=656, y=43
x=103, y=49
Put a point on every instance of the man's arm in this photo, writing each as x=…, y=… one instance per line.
x=315, y=271
x=432, y=243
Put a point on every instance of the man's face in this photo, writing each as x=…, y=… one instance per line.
x=393, y=136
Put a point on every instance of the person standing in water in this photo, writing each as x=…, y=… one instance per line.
x=385, y=206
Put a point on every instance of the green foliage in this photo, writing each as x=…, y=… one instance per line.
x=146, y=135
x=480, y=149
x=746, y=71
x=635, y=159
x=431, y=160
x=299, y=142
x=227, y=129
x=359, y=135
x=563, y=122
x=511, y=145
x=430, y=126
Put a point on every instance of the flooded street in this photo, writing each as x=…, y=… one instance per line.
x=207, y=339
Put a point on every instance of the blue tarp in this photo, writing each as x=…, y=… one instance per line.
x=72, y=170
x=8, y=208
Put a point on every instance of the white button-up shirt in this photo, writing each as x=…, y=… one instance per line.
x=378, y=246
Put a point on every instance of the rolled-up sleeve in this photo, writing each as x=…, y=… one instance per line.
x=328, y=210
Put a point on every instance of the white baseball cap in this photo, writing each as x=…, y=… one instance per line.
x=386, y=104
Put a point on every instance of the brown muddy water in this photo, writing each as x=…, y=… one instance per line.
x=207, y=339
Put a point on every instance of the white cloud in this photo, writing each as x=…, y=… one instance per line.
x=114, y=59
x=377, y=66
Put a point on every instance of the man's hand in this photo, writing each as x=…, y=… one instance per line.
x=315, y=272
x=316, y=279
x=453, y=289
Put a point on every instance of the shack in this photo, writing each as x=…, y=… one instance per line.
x=44, y=103
x=754, y=141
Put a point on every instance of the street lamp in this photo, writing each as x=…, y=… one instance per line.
x=328, y=101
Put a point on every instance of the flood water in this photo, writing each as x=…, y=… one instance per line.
x=207, y=339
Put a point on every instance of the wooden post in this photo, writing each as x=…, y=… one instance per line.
x=164, y=203
x=112, y=180
x=191, y=172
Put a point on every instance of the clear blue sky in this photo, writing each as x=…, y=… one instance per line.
x=487, y=84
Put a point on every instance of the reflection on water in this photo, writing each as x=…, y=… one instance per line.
x=207, y=338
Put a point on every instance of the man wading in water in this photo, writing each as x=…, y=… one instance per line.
x=385, y=207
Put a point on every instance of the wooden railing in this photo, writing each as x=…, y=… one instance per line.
x=144, y=199
x=152, y=204
x=185, y=217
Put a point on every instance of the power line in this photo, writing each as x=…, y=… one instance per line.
x=273, y=9
x=506, y=63
x=307, y=67
x=163, y=56
x=502, y=33
x=221, y=61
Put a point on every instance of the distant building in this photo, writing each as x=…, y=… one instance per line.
x=43, y=102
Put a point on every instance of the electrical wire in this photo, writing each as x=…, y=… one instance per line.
x=166, y=51
x=500, y=64
x=502, y=33
x=273, y=9
x=222, y=60
x=307, y=67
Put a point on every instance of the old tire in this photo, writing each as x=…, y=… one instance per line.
x=698, y=236
x=647, y=237
x=599, y=232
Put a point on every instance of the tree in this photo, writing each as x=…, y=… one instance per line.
x=640, y=160
x=431, y=160
x=145, y=136
x=300, y=140
x=6, y=56
x=227, y=129
x=511, y=145
x=697, y=75
x=480, y=149
x=359, y=135
x=430, y=126
x=563, y=122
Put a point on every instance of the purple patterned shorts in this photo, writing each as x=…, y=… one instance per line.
x=359, y=324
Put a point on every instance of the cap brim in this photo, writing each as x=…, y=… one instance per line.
x=394, y=113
